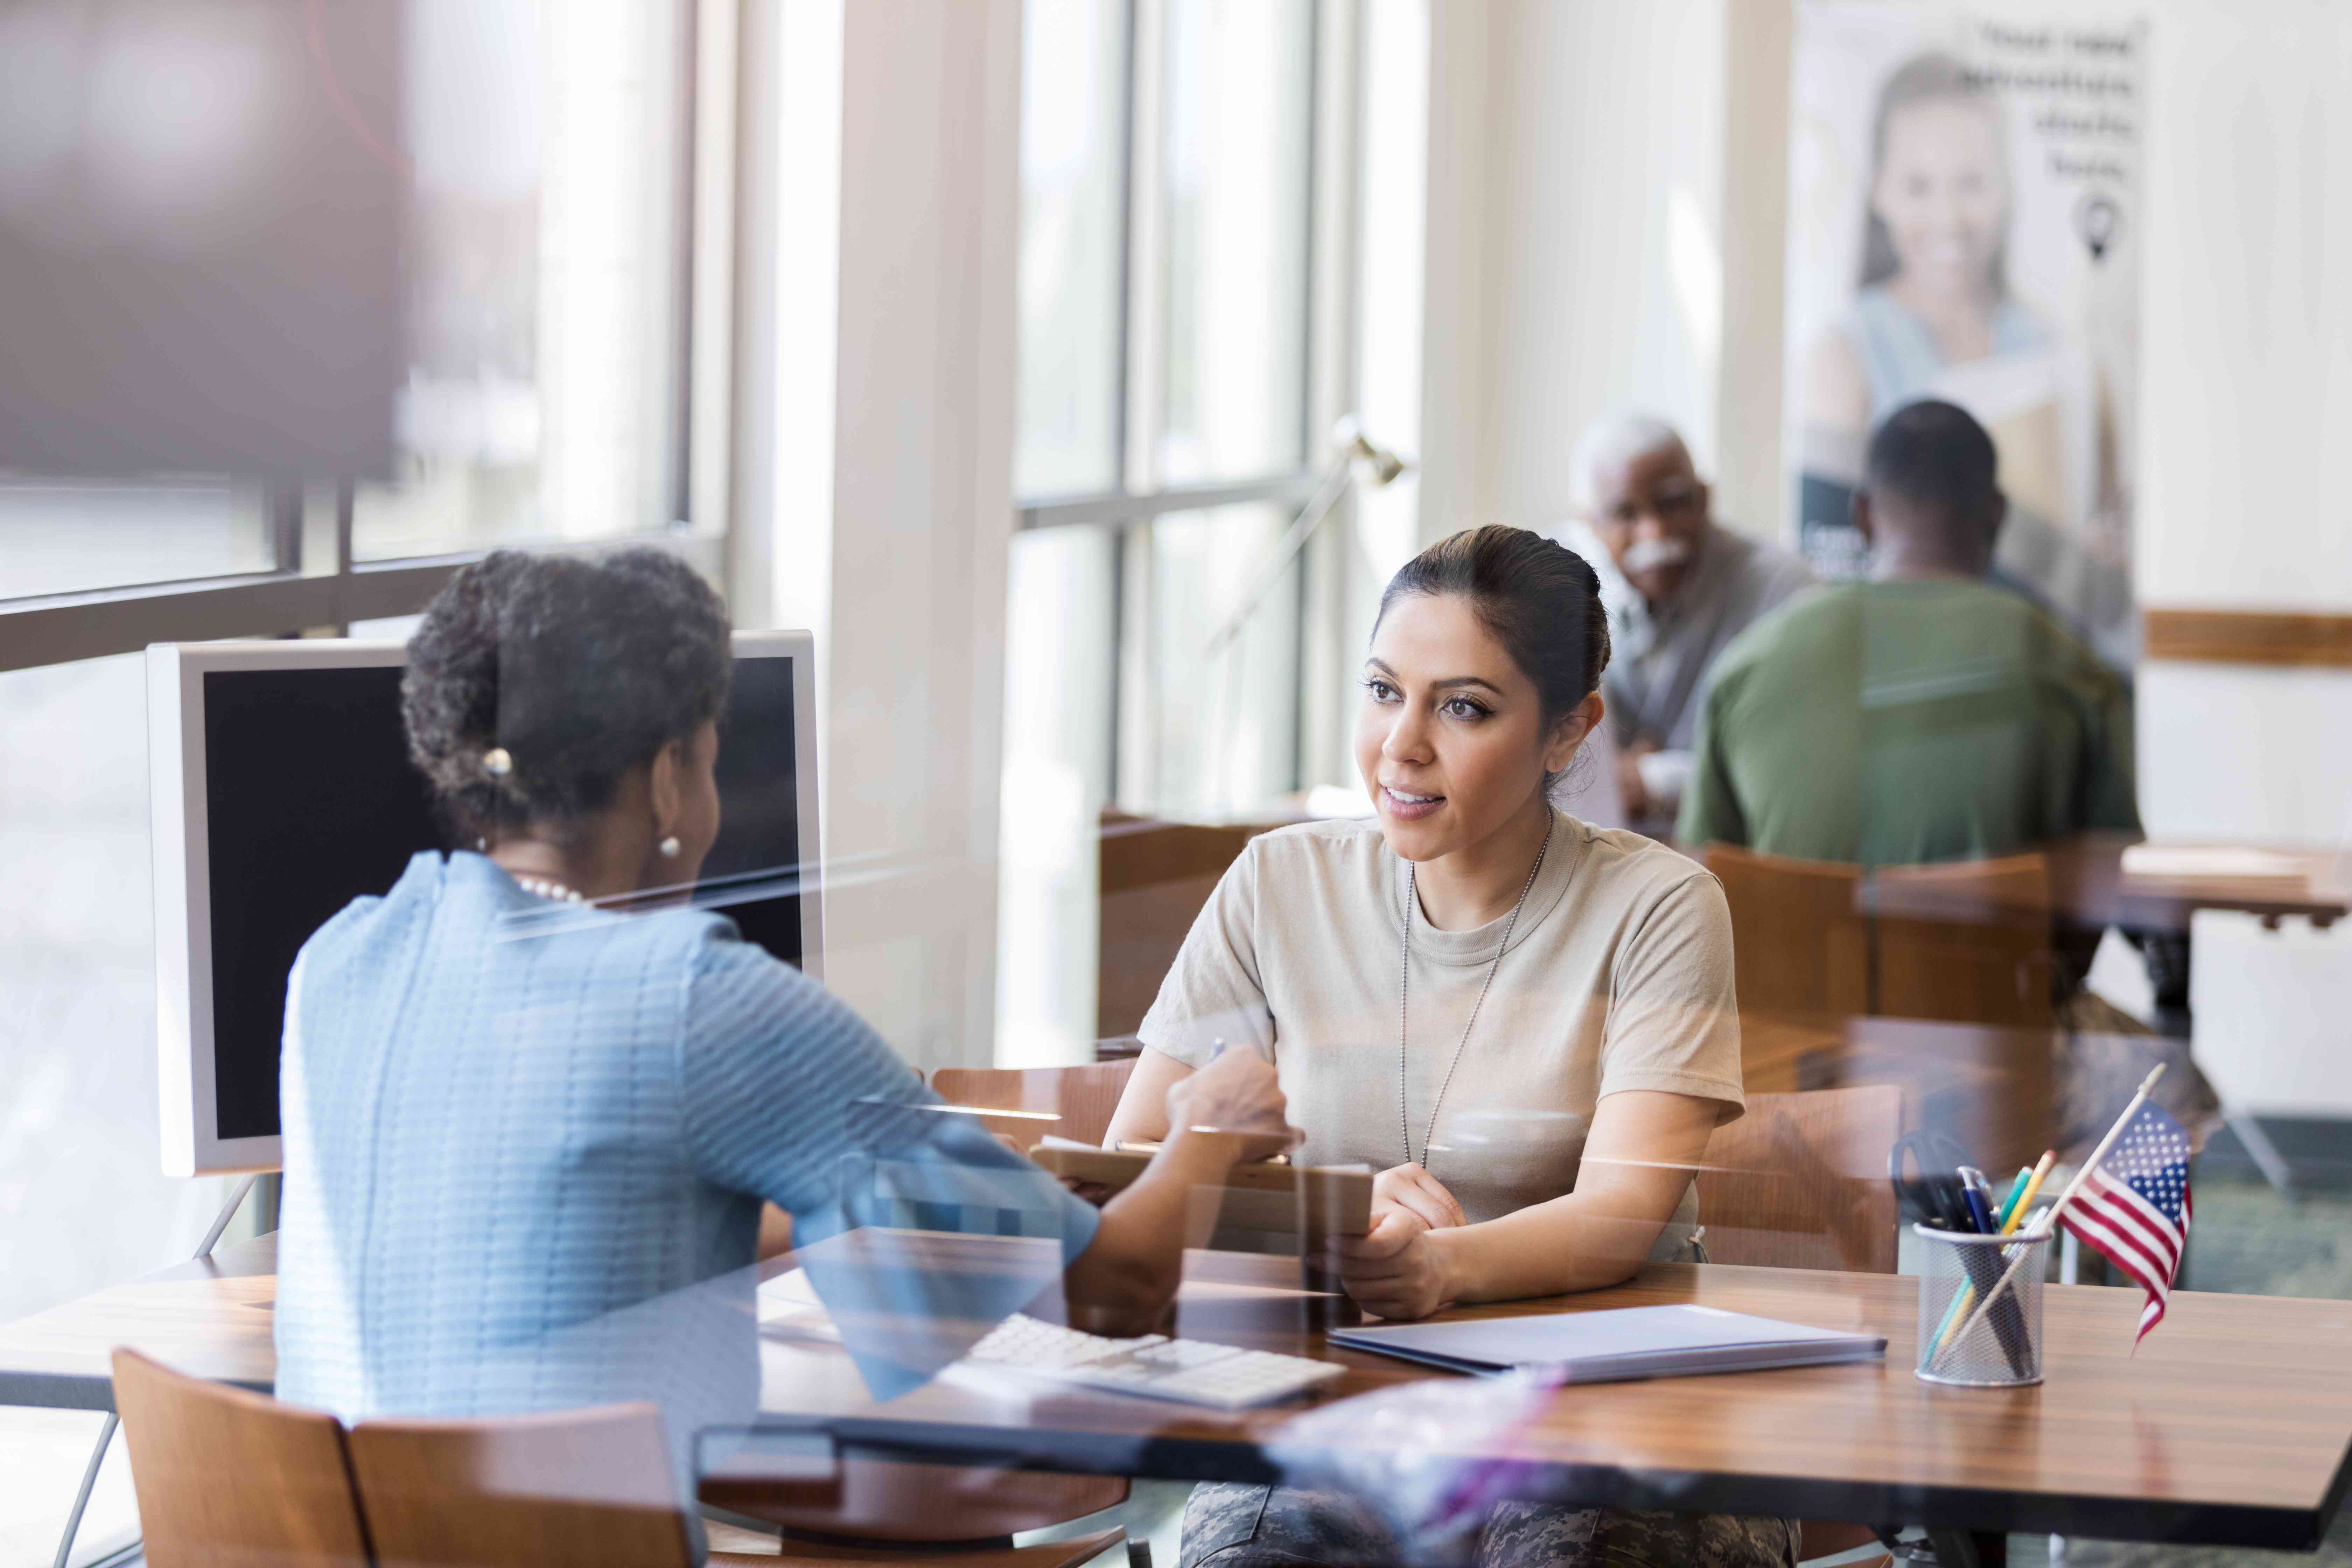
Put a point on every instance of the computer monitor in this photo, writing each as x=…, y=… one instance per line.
x=282, y=790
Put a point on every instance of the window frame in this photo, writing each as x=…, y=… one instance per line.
x=1326, y=353
x=315, y=584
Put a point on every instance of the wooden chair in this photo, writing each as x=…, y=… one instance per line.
x=1800, y=943
x=1969, y=942
x=1800, y=1182
x=584, y=1488
x=1154, y=877
x=227, y=1478
x=1082, y=1097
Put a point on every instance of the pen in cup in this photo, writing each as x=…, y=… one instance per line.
x=1979, y=1195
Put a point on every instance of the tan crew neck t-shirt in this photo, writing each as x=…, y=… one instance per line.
x=1618, y=977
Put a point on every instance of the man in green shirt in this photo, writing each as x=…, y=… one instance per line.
x=1921, y=715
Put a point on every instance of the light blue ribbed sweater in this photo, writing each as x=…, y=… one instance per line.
x=517, y=1132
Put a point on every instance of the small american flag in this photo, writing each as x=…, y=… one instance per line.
x=2134, y=1206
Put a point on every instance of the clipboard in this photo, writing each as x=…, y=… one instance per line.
x=1266, y=1196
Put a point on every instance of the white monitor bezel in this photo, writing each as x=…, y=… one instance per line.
x=191, y=1145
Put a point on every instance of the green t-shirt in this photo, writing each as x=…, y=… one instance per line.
x=1901, y=722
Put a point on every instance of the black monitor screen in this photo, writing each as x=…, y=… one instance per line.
x=311, y=803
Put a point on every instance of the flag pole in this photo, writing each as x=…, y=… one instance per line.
x=2047, y=1220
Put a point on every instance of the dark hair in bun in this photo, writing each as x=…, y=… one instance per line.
x=537, y=681
x=1538, y=598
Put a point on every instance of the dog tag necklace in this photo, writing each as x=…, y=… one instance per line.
x=1404, y=986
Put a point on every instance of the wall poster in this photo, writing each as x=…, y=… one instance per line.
x=1963, y=208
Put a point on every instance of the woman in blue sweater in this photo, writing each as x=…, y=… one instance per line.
x=519, y=1127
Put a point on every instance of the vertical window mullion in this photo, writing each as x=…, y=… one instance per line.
x=1146, y=346
x=1327, y=567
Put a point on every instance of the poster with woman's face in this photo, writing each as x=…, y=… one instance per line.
x=1963, y=203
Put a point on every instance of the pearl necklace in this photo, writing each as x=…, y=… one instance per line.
x=549, y=889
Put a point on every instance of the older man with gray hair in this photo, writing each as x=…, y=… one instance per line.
x=1676, y=586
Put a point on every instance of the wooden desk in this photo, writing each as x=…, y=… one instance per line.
x=2231, y=1426
x=2088, y=882
x=210, y=1318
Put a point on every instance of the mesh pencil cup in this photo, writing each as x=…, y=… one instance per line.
x=1960, y=1344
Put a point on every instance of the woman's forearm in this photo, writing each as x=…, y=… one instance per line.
x=1125, y=1279
x=1142, y=1111
x=1571, y=1244
x=1644, y=1148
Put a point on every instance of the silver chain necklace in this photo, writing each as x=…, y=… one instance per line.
x=1404, y=982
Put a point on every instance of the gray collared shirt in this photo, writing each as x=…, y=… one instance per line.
x=1658, y=662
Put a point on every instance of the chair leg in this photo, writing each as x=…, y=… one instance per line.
x=1138, y=1554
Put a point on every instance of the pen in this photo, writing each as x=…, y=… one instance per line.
x=2009, y=1204
x=1977, y=1190
x=2025, y=1200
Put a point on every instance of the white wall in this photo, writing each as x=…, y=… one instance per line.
x=1604, y=265
x=1579, y=145
x=875, y=409
x=2246, y=387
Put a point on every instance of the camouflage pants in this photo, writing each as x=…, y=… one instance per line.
x=1227, y=1525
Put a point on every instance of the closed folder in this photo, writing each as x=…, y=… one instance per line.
x=1616, y=1345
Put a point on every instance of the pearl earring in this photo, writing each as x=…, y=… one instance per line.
x=670, y=848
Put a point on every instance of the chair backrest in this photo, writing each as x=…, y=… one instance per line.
x=1800, y=1182
x=1083, y=1097
x=1153, y=876
x=1968, y=941
x=228, y=1477
x=1799, y=942
x=584, y=1488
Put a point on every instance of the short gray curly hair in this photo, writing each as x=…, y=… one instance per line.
x=1616, y=438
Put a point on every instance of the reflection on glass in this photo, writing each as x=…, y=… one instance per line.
x=69, y=538
x=1237, y=158
x=1060, y=671
x=1220, y=730
x=543, y=283
x=1073, y=186
x=87, y=1205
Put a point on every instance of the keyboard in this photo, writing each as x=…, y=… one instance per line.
x=1191, y=1371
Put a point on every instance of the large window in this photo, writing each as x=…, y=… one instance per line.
x=1178, y=172
x=1168, y=169
x=547, y=204
x=548, y=322
x=548, y=153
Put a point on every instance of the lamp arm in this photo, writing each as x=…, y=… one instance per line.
x=1285, y=550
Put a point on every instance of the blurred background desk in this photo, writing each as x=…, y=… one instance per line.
x=2091, y=886
x=1993, y=1089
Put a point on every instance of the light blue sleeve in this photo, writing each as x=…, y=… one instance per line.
x=790, y=1096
